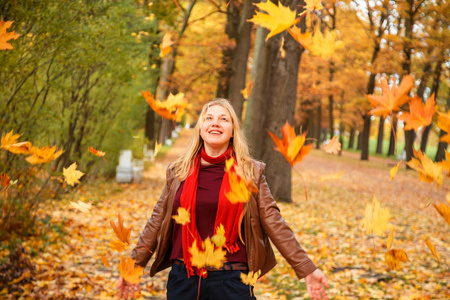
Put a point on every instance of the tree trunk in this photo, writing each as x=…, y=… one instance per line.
x=393, y=136
x=365, y=138
x=256, y=107
x=281, y=99
x=359, y=144
x=240, y=58
x=442, y=146
x=311, y=129
x=331, y=104
x=380, y=136
x=319, y=124
x=351, y=139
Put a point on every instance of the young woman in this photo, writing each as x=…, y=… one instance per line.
x=198, y=182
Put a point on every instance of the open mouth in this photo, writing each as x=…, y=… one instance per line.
x=215, y=132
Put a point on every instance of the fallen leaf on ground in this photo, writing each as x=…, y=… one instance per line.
x=331, y=177
x=81, y=206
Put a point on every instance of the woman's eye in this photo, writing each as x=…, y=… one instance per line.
x=224, y=119
x=208, y=118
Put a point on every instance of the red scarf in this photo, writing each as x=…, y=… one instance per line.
x=227, y=213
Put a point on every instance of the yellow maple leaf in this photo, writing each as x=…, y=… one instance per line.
x=43, y=155
x=433, y=249
x=333, y=146
x=251, y=278
x=304, y=39
x=172, y=108
x=105, y=261
x=166, y=44
x=390, y=239
x=291, y=146
x=392, y=98
x=247, y=91
x=419, y=114
x=20, y=148
x=427, y=169
x=129, y=271
x=210, y=257
x=313, y=5
x=121, y=231
x=81, y=206
x=394, y=257
x=9, y=139
x=198, y=258
x=443, y=209
x=240, y=188
x=376, y=218
x=219, y=238
x=183, y=216
x=394, y=170
x=5, y=36
x=331, y=177
x=277, y=19
x=157, y=148
x=444, y=124
x=118, y=245
x=72, y=175
x=325, y=45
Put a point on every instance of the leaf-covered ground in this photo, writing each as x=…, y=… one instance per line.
x=328, y=225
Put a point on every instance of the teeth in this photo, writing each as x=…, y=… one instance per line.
x=214, y=132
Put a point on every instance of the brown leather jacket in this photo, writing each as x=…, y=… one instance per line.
x=261, y=220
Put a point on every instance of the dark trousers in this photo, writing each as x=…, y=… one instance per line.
x=219, y=285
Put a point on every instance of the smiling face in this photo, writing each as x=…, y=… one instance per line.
x=216, y=130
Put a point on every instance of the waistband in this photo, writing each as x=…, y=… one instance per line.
x=228, y=266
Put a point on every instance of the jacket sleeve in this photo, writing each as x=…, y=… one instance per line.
x=281, y=234
x=149, y=235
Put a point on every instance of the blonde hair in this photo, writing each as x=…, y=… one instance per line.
x=183, y=164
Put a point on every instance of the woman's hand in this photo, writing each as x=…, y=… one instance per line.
x=125, y=288
x=315, y=283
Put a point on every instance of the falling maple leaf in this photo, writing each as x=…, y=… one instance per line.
x=427, y=169
x=331, y=177
x=292, y=147
x=420, y=114
x=129, y=271
x=277, y=19
x=392, y=98
x=313, y=5
x=445, y=164
x=444, y=124
x=9, y=139
x=247, y=91
x=118, y=245
x=183, y=216
x=325, y=45
x=433, y=250
x=72, y=175
x=443, y=209
x=172, y=108
x=240, y=188
x=122, y=233
x=304, y=39
x=166, y=44
x=210, y=257
x=157, y=148
x=251, y=278
x=394, y=257
x=219, y=237
x=96, y=152
x=105, y=261
x=5, y=36
x=394, y=170
x=390, y=239
x=20, y=148
x=4, y=180
x=43, y=155
x=81, y=206
x=376, y=218
x=333, y=146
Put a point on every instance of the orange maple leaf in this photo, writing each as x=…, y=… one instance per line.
x=304, y=39
x=433, y=249
x=4, y=180
x=240, y=187
x=427, y=169
x=292, y=147
x=43, y=155
x=172, y=108
x=166, y=44
x=129, y=271
x=392, y=98
x=122, y=233
x=5, y=36
x=118, y=245
x=9, y=139
x=444, y=124
x=277, y=19
x=333, y=146
x=96, y=152
x=105, y=261
x=313, y=4
x=420, y=114
x=444, y=209
x=394, y=257
x=20, y=148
